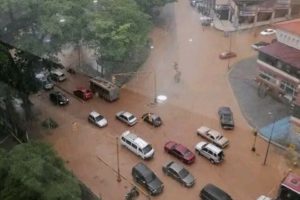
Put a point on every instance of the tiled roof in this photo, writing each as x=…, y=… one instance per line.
x=283, y=52
x=292, y=26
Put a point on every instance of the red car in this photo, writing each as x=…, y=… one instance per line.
x=83, y=93
x=227, y=54
x=180, y=151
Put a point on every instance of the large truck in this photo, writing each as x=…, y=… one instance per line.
x=104, y=89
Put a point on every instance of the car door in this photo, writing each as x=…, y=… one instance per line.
x=173, y=174
x=176, y=153
x=205, y=152
x=123, y=118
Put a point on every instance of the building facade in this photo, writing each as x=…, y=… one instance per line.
x=279, y=66
x=255, y=12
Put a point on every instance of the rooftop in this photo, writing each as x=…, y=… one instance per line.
x=283, y=52
x=292, y=26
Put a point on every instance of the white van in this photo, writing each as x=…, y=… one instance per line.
x=57, y=75
x=137, y=145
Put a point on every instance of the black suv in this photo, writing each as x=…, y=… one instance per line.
x=58, y=98
x=226, y=118
x=212, y=192
x=144, y=176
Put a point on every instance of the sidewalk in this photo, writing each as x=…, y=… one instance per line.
x=266, y=115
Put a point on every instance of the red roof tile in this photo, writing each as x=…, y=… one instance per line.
x=292, y=26
x=283, y=52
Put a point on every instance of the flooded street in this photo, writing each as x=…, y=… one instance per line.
x=91, y=153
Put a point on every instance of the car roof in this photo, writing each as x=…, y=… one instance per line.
x=133, y=137
x=58, y=72
x=127, y=114
x=143, y=169
x=94, y=114
x=225, y=110
x=216, y=192
x=140, y=142
x=214, y=133
x=176, y=167
x=181, y=148
x=214, y=148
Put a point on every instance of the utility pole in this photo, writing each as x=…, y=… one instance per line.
x=270, y=139
x=118, y=164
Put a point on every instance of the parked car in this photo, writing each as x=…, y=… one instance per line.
x=263, y=197
x=146, y=177
x=212, y=192
x=57, y=75
x=259, y=45
x=97, y=119
x=180, y=152
x=152, y=119
x=213, y=153
x=206, y=21
x=83, y=93
x=137, y=145
x=127, y=118
x=213, y=136
x=58, y=98
x=179, y=173
x=268, y=31
x=47, y=84
x=226, y=117
x=227, y=54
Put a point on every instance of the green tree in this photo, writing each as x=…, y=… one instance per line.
x=33, y=171
x=149, y=6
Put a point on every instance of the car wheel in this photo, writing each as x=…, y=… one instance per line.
x=212, y=161
x=198, y=152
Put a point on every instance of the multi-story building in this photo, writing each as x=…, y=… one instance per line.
x=253, y=12
x=279, y=66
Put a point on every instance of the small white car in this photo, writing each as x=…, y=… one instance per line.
x=213, y=136
x=127, y=118
x=213, y=153
x=268, y=31
x=97, y=119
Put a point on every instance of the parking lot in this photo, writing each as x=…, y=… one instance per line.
x=91, y=152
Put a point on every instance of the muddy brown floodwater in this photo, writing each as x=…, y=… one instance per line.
x=91, y=152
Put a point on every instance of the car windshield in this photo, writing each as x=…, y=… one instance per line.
x=147, y=149
x=183, y=173
x=130, y=117
x=219, y=137
x=99, y=117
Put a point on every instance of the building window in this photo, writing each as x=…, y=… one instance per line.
x=267, y=76
x=288, y=88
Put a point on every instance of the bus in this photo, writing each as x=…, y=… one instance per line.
x=289, y=188
x=104, y=89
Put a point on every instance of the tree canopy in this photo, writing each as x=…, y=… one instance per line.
x=43, y=27
x=33, y=171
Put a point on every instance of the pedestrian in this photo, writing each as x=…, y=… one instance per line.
x=175, y=66
x=177, y=76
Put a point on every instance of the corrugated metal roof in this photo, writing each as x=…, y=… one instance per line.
x=292, y=26
x=283, y=52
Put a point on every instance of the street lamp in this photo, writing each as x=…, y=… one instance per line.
x=118, y=162
x=270, y=139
